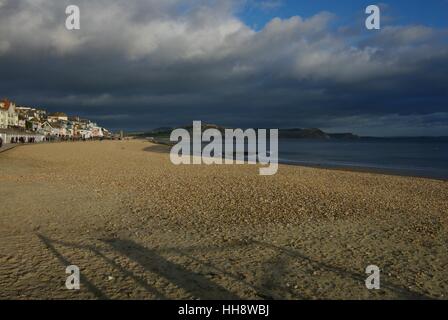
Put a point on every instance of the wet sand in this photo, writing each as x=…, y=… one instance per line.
x=139, y=227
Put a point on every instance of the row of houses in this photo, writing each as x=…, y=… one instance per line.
x=34, y=120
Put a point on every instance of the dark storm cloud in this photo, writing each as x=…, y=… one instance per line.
x=142, y=64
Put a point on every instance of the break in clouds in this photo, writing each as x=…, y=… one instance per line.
x=142, y=64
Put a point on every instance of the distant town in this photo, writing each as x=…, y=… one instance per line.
x=29, y=124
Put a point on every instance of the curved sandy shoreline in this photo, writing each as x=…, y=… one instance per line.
x=140, y=227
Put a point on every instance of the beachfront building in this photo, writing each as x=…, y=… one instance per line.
x=49, y=130
x=65, y=129
x=85, y=134
x=9, y=114
x=97, y=132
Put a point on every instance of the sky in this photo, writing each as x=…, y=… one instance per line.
x=432, y=13
x=142, y=64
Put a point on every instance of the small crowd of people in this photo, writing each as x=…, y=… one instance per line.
x=23, y=140
x=18, y=140
x=68, y=138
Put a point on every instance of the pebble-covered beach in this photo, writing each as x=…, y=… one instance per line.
x=139, y=227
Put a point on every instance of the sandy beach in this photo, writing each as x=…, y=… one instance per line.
x=139, y=227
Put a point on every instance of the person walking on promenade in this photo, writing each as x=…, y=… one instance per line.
x=1, y=142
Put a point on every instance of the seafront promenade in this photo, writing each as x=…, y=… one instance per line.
x=6, y=147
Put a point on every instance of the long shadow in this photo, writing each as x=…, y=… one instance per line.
x=260, y=290
x=127, y=273
x=195, y=284
x=85, y=281
x=404, y=293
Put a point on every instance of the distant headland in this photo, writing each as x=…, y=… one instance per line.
x=295, y=133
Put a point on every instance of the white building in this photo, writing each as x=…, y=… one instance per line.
x=9, y=116
x=49, y=130
x=85, y=134
x=97, y=132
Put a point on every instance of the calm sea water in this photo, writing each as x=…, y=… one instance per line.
x=426, y=157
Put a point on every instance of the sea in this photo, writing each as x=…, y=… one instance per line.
x=421, y=157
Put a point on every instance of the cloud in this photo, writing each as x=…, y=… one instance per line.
x=4, y=46
x=184, y=59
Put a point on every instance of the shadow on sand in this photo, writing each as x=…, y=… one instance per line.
x=49, y=244
x=197, y=285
